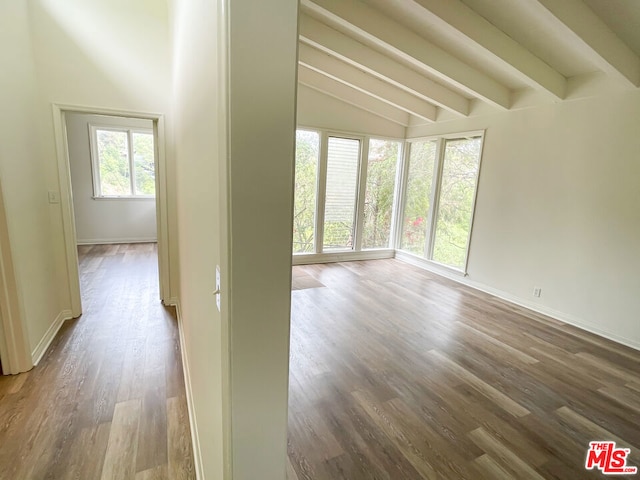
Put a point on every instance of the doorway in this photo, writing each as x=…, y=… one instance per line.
x=112, y=165
x=112, y=172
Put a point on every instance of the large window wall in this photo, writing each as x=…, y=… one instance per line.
x=362, y=194
x=342, y=203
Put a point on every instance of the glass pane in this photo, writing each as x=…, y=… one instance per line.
x=381, y=182
x=304, y=206
x=422, y=158
x=342, y=184
x=457, y=193
x=143, y=165
x=113, y=159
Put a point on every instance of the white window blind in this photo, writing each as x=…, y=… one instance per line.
x=343, y=156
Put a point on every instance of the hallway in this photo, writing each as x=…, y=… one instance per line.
x=107, y=401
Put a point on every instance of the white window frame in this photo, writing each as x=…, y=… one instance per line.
x=95, y=160
x=321, y=186
x=324, y=160
x=435, y=196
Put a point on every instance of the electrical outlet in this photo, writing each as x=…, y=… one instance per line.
x=537, y=291
x=218, y=287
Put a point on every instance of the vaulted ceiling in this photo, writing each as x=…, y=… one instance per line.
x=423, y=61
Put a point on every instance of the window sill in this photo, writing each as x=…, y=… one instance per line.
x=429, y=264
x=125, y=197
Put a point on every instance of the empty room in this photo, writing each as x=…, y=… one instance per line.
x=395, y=239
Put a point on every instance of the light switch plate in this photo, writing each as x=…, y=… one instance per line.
x=218, y=287
x=54, y=197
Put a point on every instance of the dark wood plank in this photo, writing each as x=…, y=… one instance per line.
x=96, y=405
x=399, y=373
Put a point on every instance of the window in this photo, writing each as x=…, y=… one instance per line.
x=439, y=199
x=343, y=160
x=379, y=195
x=304, y=206
x=123, y=162
x=350, y=202
x=422, y=159
x=455, y=206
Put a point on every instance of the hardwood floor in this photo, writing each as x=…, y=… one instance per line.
x=400, y=374
x=108, y=400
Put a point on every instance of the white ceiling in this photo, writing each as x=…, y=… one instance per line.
x=422, y=58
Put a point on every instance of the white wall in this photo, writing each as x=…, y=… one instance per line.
x=316, y=109
x=196, y=38
x=558, y=207
x=234, y=147
x=24, y=176
x=105, y=220
x=262, y=108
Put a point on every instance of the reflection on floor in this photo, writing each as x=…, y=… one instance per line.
x=400, y=374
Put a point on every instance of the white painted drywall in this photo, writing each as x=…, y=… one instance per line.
x=558, y=207
x=117, y=220
x=316, y=109
x=196, y=71
x=262, y=108
x=230, y=187
x=24, y=176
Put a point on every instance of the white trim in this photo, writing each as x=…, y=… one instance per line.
x=430, y=265
x=172, y=302
x=14, y=343
x=193, y=423
x=434, y=201
x=66, y=204
x=361, y=192
x=68, y=220
x=395, y=206
x=113, y=241
x=48, y=337
x=124, y=197
x=448, y=136
x=348, y=133
x=321, y=190
x=549, y=312
x=475, y=201
x=348, y=256
x=401, y=187
x=129, y=130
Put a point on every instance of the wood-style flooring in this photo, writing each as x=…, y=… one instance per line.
x=400, y=374
x=108, y=400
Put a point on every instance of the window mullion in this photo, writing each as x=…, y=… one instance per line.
x=435, y=198
x=321, y=192
x=95, y=162
x=398, y=196
x=131, y=171
x=362, y=187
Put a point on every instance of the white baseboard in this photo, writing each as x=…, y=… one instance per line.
x=48, y=337
x=195, y=437
x=172, y=302
x=549, y=312
x=110, y=241
x=310, y=258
